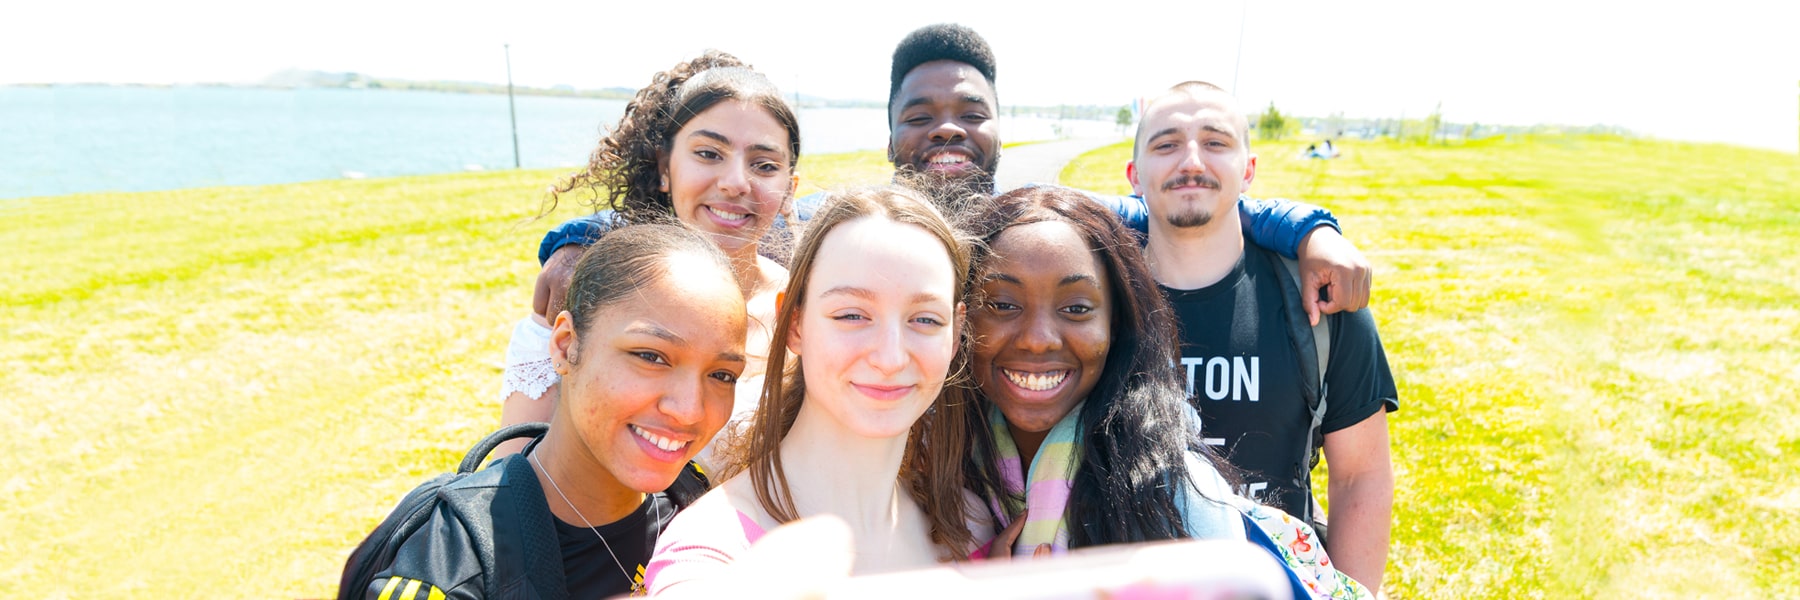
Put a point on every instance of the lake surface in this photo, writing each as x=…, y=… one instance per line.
x=65, y=140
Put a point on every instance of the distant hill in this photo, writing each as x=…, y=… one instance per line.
x=298, y=78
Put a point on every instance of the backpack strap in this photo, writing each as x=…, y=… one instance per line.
x=1313, y=367
x=472, y=460
x=1321, y=345
x=689, y=485
x=1322, y=334
x=528, y=553
x=1253, y=533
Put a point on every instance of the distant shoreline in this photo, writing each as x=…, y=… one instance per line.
x=606, y=94
x=454, y=87
x=297, y=80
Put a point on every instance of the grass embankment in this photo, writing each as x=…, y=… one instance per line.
x=1596, y=344
x=224, y=389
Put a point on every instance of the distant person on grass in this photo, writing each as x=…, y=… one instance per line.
x=710, y=143
x=943, y=136
x=1249, y=357
x=649, y=349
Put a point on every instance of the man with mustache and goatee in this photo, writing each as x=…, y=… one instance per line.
x=1270, y=388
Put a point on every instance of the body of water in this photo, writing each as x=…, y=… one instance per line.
x=72, y=139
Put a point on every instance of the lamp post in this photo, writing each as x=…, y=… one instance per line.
x=1243, y=17
x=510, y=109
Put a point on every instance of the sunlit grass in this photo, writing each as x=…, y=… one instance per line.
x=230, y=386
x=1595, y=340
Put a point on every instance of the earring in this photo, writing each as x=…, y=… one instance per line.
x=665, y=183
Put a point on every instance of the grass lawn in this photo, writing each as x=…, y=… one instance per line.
x=1596, y=344
x=226, y=388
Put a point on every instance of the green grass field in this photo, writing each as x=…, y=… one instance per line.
x=226, y=388
x=1595, y=341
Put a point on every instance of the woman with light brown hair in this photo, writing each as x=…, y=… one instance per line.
x=868, y=422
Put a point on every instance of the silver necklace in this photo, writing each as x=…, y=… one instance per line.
x=590, y=524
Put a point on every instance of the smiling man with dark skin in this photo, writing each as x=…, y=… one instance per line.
x=943, y=125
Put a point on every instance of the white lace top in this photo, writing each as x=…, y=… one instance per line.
x=528, y=368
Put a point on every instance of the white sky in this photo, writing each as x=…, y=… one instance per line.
x=1721, y=70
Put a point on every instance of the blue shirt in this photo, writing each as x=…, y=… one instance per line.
x=1274, y=223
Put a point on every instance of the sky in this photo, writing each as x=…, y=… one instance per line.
x=1722, y=70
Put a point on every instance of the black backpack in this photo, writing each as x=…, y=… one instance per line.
x=376, y=552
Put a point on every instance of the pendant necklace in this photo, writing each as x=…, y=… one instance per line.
x=590, y=524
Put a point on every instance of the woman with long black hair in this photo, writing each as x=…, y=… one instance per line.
x=1092, y=440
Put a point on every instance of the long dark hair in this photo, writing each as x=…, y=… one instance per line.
x=1136, y=430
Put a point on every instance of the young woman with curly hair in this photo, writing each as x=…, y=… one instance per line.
x=710, y=143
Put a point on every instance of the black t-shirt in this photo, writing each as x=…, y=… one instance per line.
x=1243, y=374
x=589, y=570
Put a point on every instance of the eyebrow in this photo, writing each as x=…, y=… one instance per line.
x=868, y=295
x=1208, y=127
x=714, y=135
x=1077, y=278
x=1066, y=280
x=914, y=101
x=657, y=331
x=970, y=98
x=720, y=138
x=663, y=333
x=1220, y=130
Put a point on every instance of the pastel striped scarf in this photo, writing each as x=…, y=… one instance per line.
x=1047, y=494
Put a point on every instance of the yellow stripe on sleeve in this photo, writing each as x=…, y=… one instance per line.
x=412, y=590
x=387, y=592
x=436, y=594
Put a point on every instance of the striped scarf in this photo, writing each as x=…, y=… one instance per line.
x=1047, y=493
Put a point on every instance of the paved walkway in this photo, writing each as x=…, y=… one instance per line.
x=1042, y=162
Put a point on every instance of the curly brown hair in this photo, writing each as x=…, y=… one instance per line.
x=625, y=172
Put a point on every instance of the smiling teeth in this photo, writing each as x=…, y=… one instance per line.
x=729, y=216
x=666, y=444
x=1036, y=382
x=945, y=159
